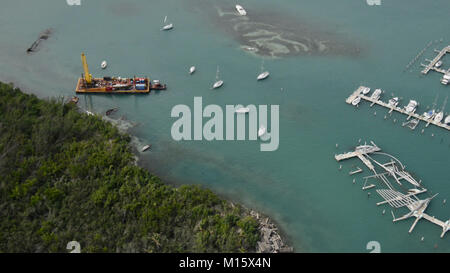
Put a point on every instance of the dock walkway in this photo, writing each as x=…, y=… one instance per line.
x=358, y=92
x=431, y=65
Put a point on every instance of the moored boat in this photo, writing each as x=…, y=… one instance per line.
x=192, y=69
x=376, y=94
x=393, y=102
x=411, y=107
x=439, y=116
x=261, y=131
x=241, y=10
x=356, y=101
x=366, y=90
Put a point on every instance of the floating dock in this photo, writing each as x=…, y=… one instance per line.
x=358, y=93
x=432, y=63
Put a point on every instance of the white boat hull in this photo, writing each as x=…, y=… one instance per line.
x=241, y=10
x=217, y=84
x=263, y=76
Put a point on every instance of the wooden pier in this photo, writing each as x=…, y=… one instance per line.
x=358, y=93
x=432, y=63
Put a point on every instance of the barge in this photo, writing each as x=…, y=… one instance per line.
x=114, y=85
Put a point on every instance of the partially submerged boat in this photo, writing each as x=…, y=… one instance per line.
x=146, y=147
x=241, y=10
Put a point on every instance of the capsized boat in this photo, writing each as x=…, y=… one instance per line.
x=192, y=69
x=241, y=10
x=356, y=101
x=376, y=94
x=439, y=116
x=261, y=131
x=146, y=147
x=411, y=107
x=393, y=102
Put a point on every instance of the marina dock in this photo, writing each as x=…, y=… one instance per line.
x=358, y=93
x=432, y=63
x=359, y=152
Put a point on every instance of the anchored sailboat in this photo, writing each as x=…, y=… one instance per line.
x=218, y=82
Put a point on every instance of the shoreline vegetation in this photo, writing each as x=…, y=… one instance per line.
x=68, y=176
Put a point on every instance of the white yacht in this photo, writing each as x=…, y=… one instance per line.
x=438, y=64
x=366, y=90
x=243, y=110
x=262, y=75
x=447, y=120
x=218, y=82
x=104, y=64
x=393, y=102
x=167, y=26
x=192, y=69
x=261, y=131
x=411, y=107
x=241, y=10
x=439, y=116
x=356, y=101
x=376, y=94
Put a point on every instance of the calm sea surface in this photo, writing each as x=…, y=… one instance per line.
x=317, y=52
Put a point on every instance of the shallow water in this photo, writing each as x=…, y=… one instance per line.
x=300, y=184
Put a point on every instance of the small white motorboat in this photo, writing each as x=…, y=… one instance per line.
x=167, y=26
x=393, y=102
x=243, y=110
x=146, y=147
x=218, y=82
x=366, y=90
x=376, y=94
x=261, y=131
x=104, y=64
x=241, y=10
x=192, y=69
x=356, y=101
x=438, y=64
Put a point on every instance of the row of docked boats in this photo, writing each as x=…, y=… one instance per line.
x=410, y=108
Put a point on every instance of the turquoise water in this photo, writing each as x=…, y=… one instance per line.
x=300, y=184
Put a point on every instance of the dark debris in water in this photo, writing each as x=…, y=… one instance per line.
x=44, y=35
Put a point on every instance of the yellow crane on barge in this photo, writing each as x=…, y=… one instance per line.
x=114, y=85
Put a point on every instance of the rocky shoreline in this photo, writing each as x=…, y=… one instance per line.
x=271, y=240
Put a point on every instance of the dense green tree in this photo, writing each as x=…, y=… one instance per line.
x=68, y=176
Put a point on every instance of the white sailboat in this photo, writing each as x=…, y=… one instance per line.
x=439, y=116
x=264, y=74
x=447, y=120
x=192, y=69
x=218, y=82
x=167, y=26
x=241, y=10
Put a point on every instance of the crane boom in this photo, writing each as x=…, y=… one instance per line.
x=87, y=75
